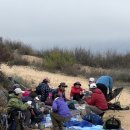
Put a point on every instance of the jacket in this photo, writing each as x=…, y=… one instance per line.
x=60, y=93
x=75, y=90
x=97, y=99
x=43, y=89
x=37, y=106
x=60, y=107
x=105, y=80
x=15, y=103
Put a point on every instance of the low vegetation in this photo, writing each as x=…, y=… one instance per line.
x=68, y=61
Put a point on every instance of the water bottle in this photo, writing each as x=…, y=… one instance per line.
x=78, y=118
x=48, y=118
x=48, y=121
x=42, y=124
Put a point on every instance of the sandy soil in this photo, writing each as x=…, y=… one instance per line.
x=37, y=76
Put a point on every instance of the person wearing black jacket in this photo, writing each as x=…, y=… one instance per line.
x=43, y=89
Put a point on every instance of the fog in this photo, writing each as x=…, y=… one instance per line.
x=98, y=25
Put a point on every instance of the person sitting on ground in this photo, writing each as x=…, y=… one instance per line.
x=76, y=92
x=14, y=106
x=33, y=93
x=60, y=112
x=105, y=84
x=43, y=89
x=13, y=87
x=25, y=96
x=61, y=90
x=95, y=102
x=37, y=111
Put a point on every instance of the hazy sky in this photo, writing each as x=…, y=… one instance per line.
x=93, y=24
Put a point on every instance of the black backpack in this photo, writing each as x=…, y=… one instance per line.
x=112, y=123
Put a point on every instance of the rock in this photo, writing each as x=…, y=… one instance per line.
x=3, y=97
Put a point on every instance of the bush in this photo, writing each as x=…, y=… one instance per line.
x=24, y=83
x=58, y=59
x=5, y=55
x=20, y=47
x=19, y=61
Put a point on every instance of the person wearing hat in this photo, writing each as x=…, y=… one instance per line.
x=91, y=80
x=13, y=87
x=105, y=84
x=43, y=89
x=15, y=105
x=60, y=91
x=76, y=92
x=95, y=102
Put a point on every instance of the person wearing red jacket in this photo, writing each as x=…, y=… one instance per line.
x=76, y=92
x=96, y=102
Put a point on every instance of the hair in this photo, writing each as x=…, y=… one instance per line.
x=77, y=83
x=16, y=93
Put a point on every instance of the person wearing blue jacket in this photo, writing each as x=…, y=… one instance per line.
x=105, y=84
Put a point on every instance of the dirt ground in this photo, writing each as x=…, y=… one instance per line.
x=30, y=74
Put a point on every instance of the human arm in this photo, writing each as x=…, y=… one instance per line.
x=16, y=104
x=90, y=99
x=54, y=106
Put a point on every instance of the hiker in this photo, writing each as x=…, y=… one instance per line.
x=13, y=87
x=76, y=92
x=43, y=89
x=16, y=109
x=91, y=80
x=105, y=84
x=95, y=102
x=33, y=93
x=25, y=96
x=60, y=112
x=61, y=90
x=37, y=112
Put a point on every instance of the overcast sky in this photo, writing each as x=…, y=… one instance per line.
x=93, y=24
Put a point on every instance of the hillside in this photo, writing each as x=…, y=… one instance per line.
x=35, y=76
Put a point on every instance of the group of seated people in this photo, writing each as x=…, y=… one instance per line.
x=33, y=103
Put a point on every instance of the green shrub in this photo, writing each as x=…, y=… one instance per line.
x=5, y=55
x=58, y=59
x=20, y=47
x=19, y=61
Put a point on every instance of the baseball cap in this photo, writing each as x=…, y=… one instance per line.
x=91, y=79
x=18, y=91
x=93, y=85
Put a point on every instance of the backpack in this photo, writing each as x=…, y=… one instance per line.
x=114, y=106
x=3, y=122
x=49, y=99
x=12, y=120
x=93, y=118
x=112, y=123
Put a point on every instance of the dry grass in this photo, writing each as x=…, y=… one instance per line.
x=30, y=74
x=36, y=76
x=32, y=59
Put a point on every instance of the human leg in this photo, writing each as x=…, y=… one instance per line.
x=57, y=120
